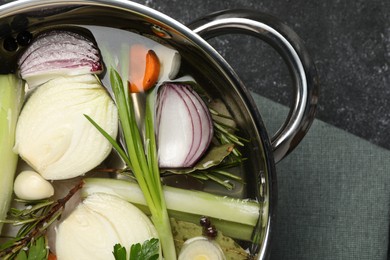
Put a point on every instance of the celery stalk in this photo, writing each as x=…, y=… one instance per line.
x=11, y=99
x=235, y=217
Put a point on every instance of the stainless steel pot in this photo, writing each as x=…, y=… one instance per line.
x=219, y=79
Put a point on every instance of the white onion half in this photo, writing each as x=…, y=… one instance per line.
x=54, y=137
x=97, y=224
x=184, y=126
x=58, y=53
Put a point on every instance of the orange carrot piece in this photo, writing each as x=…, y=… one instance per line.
x=144, y=69
x=152, y=70
x=136, y=67
x=51, y=256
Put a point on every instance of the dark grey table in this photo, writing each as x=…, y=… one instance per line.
x=334, y=194
x=349, y=41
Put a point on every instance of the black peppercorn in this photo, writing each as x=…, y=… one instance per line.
x=205, y=222
x=211, y=232
x=24, y=38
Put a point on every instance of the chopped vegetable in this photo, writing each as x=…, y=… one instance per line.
x=11, y=99
x=184, y=230
x=201, y=248
x=170, y=61
x=51, y=256
x=144, y=68
x=97, y=224
x=52, y=134
x=214, y=157
x=235, y=217
x=142, y=160
x=30, y=185
x=35, y=218
x=184, y=126
x=57, y=53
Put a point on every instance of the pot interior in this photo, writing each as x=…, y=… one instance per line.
x=114, y=20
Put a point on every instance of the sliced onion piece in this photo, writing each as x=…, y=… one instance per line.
x=175, y=135
x=204, y=129
x=201, y=248
x=58, y=53
x=97, y=224
x=184, y=126
x=54, y=137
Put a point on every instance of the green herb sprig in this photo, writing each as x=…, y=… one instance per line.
x=149, y=250
x=141, y=158
x=34, y=220
x=37, y=251
x=226, y=134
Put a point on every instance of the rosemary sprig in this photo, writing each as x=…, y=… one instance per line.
x=34, y=220
x=225, y=133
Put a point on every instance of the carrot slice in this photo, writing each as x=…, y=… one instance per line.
x=51, y=256
x=152, y=70
x=144, y=69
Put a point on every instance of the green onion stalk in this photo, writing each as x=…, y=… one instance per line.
x=141, y=158
x=11, y=99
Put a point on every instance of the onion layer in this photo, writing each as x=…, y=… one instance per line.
x=55, y=138
x=58, y=53
x=97, y=224
x=184, y=126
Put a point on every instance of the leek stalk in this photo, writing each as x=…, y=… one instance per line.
x=11, y=99
x=234, y=217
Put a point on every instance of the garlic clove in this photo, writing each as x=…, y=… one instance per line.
x=29, y=185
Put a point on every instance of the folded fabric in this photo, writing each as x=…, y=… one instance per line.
x=333, y=194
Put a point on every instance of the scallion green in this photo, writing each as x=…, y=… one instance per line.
x=141, y=158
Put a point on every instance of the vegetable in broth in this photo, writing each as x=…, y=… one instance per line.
x=69, y=125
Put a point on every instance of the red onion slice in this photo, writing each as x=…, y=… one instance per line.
x=196, y=124
x=205, y=126
x=184, y=126
x=58, y=53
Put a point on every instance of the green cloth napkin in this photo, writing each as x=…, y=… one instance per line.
x=333, y=194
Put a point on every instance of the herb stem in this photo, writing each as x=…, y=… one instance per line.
x=143, y=160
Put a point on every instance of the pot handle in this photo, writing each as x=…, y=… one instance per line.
x=286, y=42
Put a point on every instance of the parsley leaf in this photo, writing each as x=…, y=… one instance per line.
x=119, y=252
x=37, y=251
x=149, y=250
